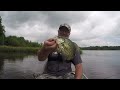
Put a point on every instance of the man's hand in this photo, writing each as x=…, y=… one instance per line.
x=50, y=45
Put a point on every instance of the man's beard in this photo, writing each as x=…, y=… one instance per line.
x=63, y=36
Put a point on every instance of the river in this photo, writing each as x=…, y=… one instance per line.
x=97, y=64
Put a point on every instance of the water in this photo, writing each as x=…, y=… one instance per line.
x=96, y=65
x=19, y=66
x=101, y=64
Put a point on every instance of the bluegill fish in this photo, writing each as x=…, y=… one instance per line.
x=65, y=47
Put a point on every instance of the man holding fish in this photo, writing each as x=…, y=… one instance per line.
x=60, y=52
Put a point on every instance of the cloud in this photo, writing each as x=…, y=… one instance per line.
x=88, y=27
x=16, y=19
x=55, y=18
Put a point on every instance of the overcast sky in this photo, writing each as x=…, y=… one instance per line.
x=89, y=28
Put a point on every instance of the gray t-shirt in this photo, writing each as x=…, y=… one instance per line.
x=56, y=66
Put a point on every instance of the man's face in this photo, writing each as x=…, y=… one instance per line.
x=64, y=32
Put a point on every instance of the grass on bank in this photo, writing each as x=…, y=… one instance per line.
x=19, y=49
x=10, y=49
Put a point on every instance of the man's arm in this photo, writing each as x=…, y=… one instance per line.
x=77, y=61
x=42, y=54
x=78, y=71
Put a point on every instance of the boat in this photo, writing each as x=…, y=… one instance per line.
x=83, y=75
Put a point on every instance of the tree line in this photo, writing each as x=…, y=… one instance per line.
x=14, y=40
x=101, y=48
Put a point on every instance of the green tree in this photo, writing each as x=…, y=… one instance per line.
x=20, y=41
x=2, y=32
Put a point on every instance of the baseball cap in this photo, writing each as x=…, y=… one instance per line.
x=65, y=25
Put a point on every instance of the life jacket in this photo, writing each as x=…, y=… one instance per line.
x=55, y=56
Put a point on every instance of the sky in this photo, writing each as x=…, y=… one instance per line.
x=88, y=28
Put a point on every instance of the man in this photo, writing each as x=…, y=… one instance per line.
x=56, y=68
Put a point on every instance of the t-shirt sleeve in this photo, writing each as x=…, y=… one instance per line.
x=77, y=59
